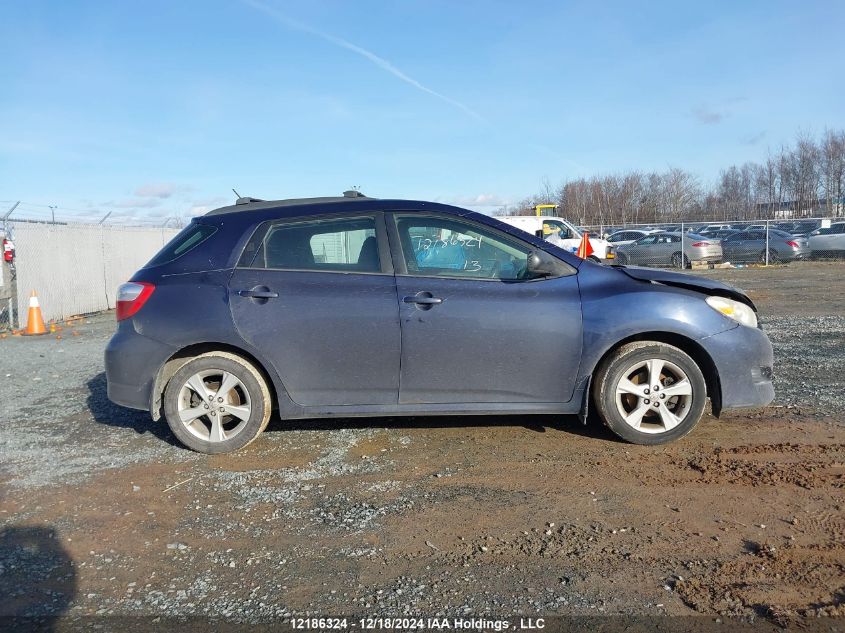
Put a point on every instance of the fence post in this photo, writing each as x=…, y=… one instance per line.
x=683, y=255
x=767, y=242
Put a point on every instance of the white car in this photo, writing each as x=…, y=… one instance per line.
x=560, y=233
x=715, y=227
x=626, y=236
x=829, y=241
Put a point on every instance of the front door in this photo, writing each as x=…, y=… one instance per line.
x=318, y=299
x=474, y=329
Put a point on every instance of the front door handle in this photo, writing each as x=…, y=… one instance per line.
x=259, y=293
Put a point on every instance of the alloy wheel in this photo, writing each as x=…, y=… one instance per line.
x=654, y=396
x=214, y=405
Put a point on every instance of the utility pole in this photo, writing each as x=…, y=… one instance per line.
x=53, y=211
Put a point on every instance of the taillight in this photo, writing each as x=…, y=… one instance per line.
x=131, y=296
x=700, y=244
x=792, y=244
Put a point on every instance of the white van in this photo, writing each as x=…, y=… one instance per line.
x=560, y=233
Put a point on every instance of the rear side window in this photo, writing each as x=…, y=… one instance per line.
x=333, y=245
x=191, y=236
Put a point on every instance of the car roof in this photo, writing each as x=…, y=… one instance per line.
x=254, y=204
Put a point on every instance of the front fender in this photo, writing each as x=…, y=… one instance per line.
x=616, y=307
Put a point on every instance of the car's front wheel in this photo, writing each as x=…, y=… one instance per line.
x=217, y=403
x=649, y=392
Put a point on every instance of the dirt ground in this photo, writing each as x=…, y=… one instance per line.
x=102, y=514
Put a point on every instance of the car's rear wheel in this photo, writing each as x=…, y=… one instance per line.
x=774, y=258
x=621, y=258
x=680, y=260
x=217, y=403
x=649, y=392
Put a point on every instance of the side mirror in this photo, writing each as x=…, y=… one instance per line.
x=541, y=264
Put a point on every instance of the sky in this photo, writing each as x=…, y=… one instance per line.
x=157, y=109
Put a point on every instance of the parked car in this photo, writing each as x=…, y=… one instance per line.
x=828, y=242
x=561, y=233
x=719, y=234
x=750, y=246
x=710, y=228
x=665, y=249
x=626, y=236
x=805, y=227
x=352, y=306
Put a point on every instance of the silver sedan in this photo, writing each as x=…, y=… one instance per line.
x=670, y=249
x=751, y=246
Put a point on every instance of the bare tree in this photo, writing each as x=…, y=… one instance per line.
x=833, y=170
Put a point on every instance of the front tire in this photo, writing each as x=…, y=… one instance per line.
x=217, y=403
x=649, y=393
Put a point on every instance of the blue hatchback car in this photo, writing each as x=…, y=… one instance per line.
x=354, y=306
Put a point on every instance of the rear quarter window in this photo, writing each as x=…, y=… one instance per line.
x=187, y=239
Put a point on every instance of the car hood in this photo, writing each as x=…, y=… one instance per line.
x=690, y=282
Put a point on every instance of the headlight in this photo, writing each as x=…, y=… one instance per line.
x=733, y=310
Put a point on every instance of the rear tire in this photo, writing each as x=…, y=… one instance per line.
x=625, y=398
x=680, y=261
x=217, y=403
x=774, y=258
x=622, y=259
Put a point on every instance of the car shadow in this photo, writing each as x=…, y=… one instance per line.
x=107, y=413
x=539, y=423
x=39, y=580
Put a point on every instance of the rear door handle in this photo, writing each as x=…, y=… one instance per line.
x=259, y=294
x=423, y=300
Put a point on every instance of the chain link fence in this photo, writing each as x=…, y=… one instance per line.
x=689, y=244
x=74, y=268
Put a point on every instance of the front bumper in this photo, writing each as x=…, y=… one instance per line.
x=132, y=362
x=744, y=361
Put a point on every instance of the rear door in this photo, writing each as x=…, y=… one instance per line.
x=642, y=251
x=473, y=329
x=317, y=296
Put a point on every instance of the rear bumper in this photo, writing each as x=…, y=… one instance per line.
x=744, y=360
x=710, y=256
x=132, y=362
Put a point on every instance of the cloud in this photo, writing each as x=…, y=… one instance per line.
x=363, y=52
x=160, y=189
x=708, y=116
x=201, y=207
x=479, y=200
x=132, y=203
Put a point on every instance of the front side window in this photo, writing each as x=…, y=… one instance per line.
x=332, y=245
x=442, y=247
x=556, y=227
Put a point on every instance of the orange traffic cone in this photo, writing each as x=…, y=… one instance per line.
x=34, y=322
x=585, y=249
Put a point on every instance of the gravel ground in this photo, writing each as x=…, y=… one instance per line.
x=102, y=514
